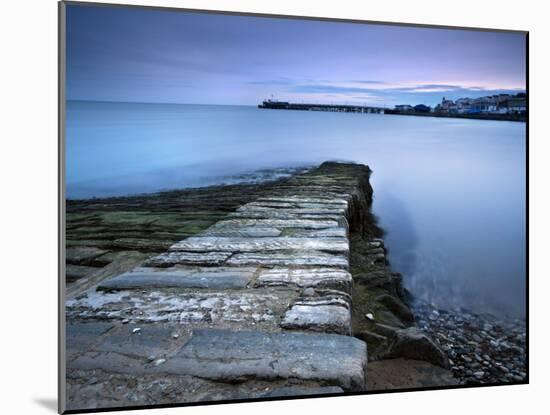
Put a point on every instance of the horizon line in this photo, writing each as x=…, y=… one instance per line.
x=519, y=91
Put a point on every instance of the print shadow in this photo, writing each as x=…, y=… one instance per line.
x=49, y=403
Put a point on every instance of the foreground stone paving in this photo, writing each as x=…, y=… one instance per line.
x=260, y=299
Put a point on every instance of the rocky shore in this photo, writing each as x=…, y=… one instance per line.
x=482, y=349
x=253, y=291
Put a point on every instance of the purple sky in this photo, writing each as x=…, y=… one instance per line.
x=143, y=55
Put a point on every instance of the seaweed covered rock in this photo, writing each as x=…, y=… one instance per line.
x=397, y=307
x=412, y=343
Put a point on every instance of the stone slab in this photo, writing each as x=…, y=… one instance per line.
x=309, y=258
x=232, y=356
x=222, y=244
x=213, y=308
x=278, y=223
x=169, y=259
x=313, y=210
x=330, y=297
x=325, y=207
x=340, y=232
x=149, y=342
x=306, y=277
x=108, y=362
x=285, y=215
x=301, y=199
x=251, y=231
x=146, y=278
x=81, y=336
x=324, y=318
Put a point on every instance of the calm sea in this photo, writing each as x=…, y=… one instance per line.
x=450, y=193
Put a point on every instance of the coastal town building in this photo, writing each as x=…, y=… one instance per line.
x=497, y=105
x=493, y=104
x=422, y=108
x=404, y=108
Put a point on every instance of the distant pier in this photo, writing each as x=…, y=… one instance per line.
x=283, y=105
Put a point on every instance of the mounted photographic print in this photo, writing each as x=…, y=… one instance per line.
x=260, y=207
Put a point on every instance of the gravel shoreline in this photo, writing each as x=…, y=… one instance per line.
x=482, y=348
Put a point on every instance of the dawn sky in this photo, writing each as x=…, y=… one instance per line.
x=143, y=55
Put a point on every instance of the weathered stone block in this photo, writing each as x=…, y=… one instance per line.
x=225, y=244
x=169, y=259
x=282, y=215
x=214, y=278
x=218, y=308
x=242, y=232
x=312, y=210
x=148, y=342
x=322, y=233
x=309, y=258
x=306, y=277
x=230, y=356
x=325, y=318
x=82, y=336
x=277, y=223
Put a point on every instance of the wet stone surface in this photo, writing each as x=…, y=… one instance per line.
x=231, y=356
x=330, y=318
x=181, y=277
x=303, y=278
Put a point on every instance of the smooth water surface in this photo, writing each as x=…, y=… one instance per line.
x=450, y=193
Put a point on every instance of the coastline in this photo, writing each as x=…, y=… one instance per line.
x=276, y=105
x=482, y=348
x=487, y=117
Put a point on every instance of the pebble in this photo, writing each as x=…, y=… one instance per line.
x=91, y=381
x=159, y=362
x=488, y=349
x=136, y=330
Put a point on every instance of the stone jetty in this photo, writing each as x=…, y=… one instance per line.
x=258, y=304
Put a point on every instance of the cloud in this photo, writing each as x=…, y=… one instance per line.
x=391, y=94
x=271, y=82
x=363, y=81
x=322, y=88
x=437, y=88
